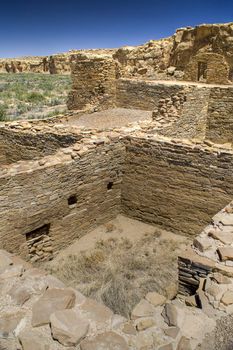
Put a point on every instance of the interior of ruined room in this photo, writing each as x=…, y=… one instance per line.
x=144, y=154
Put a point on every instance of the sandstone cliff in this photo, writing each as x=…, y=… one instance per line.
x=203, y=53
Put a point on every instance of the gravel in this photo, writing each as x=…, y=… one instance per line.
x=221, y=338
x=111, y=118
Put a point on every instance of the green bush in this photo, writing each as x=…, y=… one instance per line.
x=3, y=115
x=35, y=97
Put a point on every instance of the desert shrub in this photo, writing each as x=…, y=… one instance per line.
x=35, y=97
x=120, y=272
x=3, y=112
x=55, y=101
x=34, y=92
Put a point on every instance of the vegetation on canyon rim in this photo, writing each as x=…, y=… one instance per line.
x=32, y=96
x=120, y=272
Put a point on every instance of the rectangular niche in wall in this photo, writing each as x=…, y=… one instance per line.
x=39, y=244
x=202, y=71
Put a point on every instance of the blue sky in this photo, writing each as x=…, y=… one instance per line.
x=45, y=27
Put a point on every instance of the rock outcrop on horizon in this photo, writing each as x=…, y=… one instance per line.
x=177, y=57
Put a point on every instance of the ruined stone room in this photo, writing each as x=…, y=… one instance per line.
x=116, y=176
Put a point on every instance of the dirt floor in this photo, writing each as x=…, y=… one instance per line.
x=111, y=118
x=119, y=262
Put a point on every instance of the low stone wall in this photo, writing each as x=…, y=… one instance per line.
x=143, y=95
x=16, y=146
x=175, y=185
x=220, y=116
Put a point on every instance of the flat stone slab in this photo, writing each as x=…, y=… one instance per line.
x=9, y=322
x=220, y=278
x=105, y=341
x=184, y=344
x=202, y=244
x=222, y=236
x=170, y=315
x=166, y=347
x=5, y=260
x=172, y=332
x=142, y=309
x=31, y=341
x=225, y=253
x=68, y=328
x=155, y=299
x=227, y=298
x=129, y=328
x=51, y=301
x=12, y=271
x=145, y=323
x=96, y=312
x=227, y=219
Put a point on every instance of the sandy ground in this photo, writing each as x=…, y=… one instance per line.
x=119, y=262
x=123, y=227
x=111, y=118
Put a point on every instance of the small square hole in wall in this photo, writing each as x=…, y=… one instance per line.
x=72, y=200
x=110, y=185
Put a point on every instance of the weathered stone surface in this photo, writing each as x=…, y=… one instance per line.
x=220, y=278
x=155, y=299
x=20, y=294
x=191, y=301
x=222, y=236
x=105, y=341
x=5, y=260
x=129, y=328
x=170, y=314
x=225, y=253
x=117, y=321
x=32, y=341
x=201, y=243
x=53, y=282
x=68, y=328
x=12, y=271
x=171, y=290
x=145, y=323
x=227, y=220
x=184, y=344
x=172, y=331
x=96, y=312
x=166, y=347
x=142, y=309
x=9, y=322
x=227, y=298
x=215, y=291
x=51, y=301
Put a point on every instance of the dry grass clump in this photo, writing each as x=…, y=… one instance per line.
x=120, y=272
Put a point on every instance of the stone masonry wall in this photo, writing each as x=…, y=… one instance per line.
x=176, y=186
x=15, y=146
x=144, y=95
x=217, y=69
x=93, y=82
x=220, y=116
x=70, y=192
